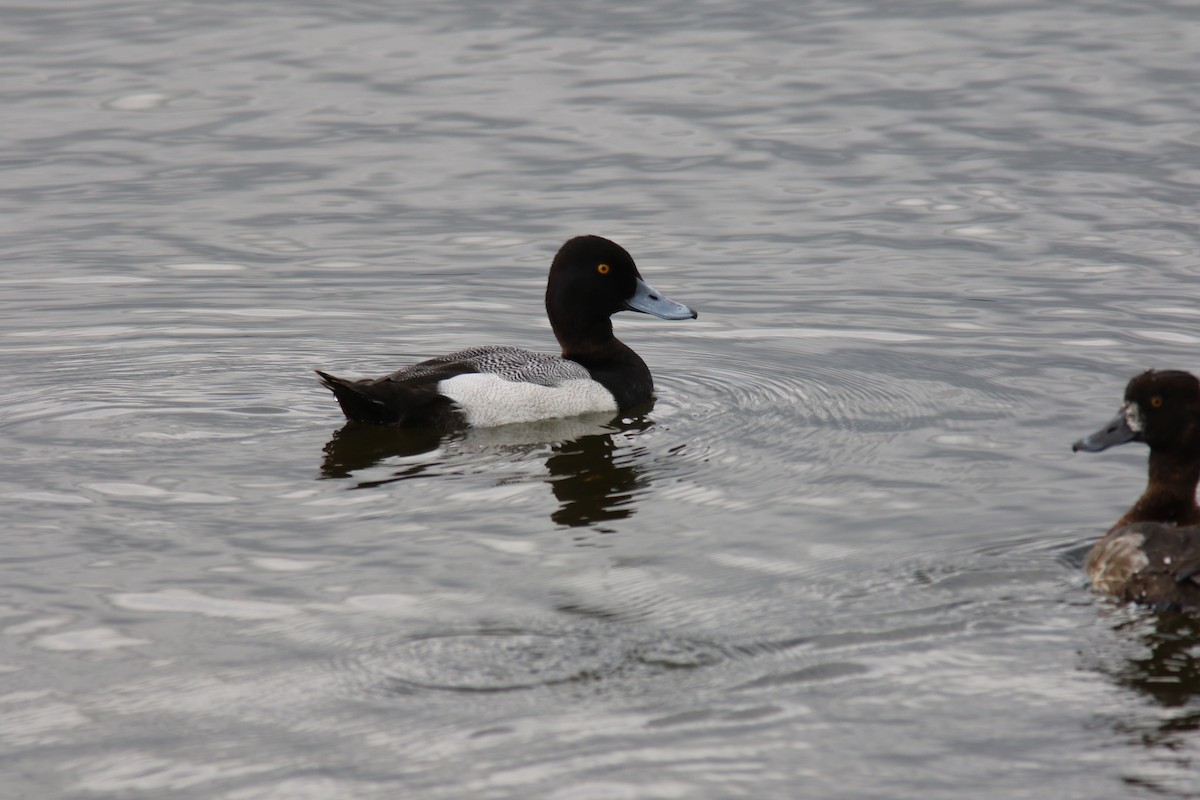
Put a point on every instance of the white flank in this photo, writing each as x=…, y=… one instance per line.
x=489, y=400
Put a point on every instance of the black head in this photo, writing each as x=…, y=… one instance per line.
x=1162, y=409
x=593, y=278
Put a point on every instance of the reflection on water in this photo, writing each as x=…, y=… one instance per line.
x=1168, y=670
x=593, y=480
x=1159, y=659
x=358, y=446
x=595, y=477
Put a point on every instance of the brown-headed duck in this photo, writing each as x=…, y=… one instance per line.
x=1152, y=554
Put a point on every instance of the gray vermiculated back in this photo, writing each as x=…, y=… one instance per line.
x=510, y=363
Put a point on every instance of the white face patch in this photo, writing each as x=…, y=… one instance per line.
x=1133, y=416
x=489, y=400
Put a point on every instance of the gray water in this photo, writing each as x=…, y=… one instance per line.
x=838, y=558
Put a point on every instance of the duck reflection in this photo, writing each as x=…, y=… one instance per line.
x=589, y=482
x=1168, y=668
x=594, y=474
x=358, y=446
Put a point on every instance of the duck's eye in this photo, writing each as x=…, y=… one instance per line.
x=603, y=269
x=1156, y=402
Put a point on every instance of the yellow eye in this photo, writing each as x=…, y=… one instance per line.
x=603, y=269
x=1156, y=402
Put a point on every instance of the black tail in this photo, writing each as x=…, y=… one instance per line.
x=386, y=401
x=357, y=403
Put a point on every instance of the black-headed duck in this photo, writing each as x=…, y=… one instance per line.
x=1152, y=554
x=591, y=278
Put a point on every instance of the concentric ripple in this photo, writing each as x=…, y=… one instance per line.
x=821, y=407
x=515, y=659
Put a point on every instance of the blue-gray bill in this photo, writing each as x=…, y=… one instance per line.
x=1116, y=432
x=650, y=301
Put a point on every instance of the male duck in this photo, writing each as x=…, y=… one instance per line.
x=1152, y=554
x=591, y=279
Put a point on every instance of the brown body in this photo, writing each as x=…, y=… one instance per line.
x=1152, y=554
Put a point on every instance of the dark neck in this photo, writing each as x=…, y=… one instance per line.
x=1170, y=495
x=616, y=367
x=610, y=361
x=576, y=337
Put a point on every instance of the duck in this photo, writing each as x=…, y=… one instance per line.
x=1151, y=555
x=591, y=278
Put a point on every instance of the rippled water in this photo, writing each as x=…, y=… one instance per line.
x=840, y=555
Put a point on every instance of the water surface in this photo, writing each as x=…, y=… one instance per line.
x=838, y=557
